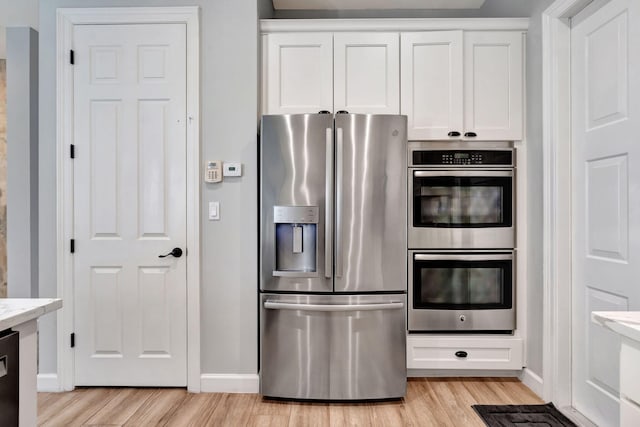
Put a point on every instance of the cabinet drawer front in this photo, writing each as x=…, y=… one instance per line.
x=460, y=353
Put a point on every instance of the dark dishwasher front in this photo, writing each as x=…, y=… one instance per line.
x=9, y=387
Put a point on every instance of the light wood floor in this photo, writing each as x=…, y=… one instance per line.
x=429, y=402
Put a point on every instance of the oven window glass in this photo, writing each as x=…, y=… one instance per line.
x=462, y=285
x=462, y=202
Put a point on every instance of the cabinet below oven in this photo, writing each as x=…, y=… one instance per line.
x=440, y=352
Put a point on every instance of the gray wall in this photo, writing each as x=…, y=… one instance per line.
x=229, y=90
x=229, y=97
x=22, y=162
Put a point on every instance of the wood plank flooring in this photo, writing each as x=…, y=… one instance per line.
x=429, y=402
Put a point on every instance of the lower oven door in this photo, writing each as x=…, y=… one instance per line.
x=462, y=291
x=461, y=209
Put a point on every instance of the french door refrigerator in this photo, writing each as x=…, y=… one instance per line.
x=333, y=270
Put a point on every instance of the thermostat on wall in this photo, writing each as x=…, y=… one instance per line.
x=232, y=169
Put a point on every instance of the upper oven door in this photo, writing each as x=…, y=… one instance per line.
x=461, y=209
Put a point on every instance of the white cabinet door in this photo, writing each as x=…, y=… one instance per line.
x=367, y=72
x=299, y=73
x=431, y=67
x=493, y=81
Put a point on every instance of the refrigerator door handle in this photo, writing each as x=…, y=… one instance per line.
x=328, y=206
x=339, y=171
x=274, y=305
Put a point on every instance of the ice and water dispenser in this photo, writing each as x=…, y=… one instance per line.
x=296, y=240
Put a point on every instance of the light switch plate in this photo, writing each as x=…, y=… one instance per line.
x=214, y=211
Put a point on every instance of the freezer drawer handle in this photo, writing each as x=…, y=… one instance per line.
x=273, y=305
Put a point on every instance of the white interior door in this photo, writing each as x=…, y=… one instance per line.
x=606, y=197
x=130, y=204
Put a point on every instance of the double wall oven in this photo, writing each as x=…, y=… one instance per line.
x=461, y=237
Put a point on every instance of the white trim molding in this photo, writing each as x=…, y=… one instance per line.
x=385, y=24
x=48, y=383
x=556, y=77
x=230, y=383
x=66, y=20
x=532, y=380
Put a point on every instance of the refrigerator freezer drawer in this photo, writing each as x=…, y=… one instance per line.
x=333, y=347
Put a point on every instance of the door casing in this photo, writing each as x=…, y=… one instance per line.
x=67, y=18
x=557, y=216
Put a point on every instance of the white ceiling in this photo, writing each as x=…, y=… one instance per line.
x=375, y=4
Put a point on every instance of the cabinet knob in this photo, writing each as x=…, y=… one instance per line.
x=461, y=354
x=324, y=112
x=342, y=112
x=454, y=133
x=470, y=134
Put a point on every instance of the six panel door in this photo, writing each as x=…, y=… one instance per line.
x=130, y=204
x=606, y=201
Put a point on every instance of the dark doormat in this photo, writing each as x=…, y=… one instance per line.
x=522, y=415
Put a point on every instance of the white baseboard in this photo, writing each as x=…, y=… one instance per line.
x=48, y=383
x=531, y=380
x=229, y=383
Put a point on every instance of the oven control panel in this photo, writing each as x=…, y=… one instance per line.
x=462, y=157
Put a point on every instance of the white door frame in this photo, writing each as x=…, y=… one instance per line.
x=557, y=221
x=66, y=19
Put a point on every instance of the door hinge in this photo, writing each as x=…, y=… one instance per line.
x=73, y=339
x=72, y=151
x=72, y=59
x=73, y=245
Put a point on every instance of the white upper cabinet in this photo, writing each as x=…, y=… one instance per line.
x=366, y=73
x=452, y=84
x=493, y=82
x=432, y=84
x=299, y=73
x=463, y=85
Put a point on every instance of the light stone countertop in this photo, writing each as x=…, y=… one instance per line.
x=15, y=311
x=625, y=323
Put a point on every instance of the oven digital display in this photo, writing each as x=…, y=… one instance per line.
x=461, y=156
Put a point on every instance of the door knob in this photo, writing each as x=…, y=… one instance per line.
x=175, y=252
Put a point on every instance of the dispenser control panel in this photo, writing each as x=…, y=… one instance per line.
x=295, y=214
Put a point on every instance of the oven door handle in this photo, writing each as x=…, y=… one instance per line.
x=462, y=173
x=463, y=257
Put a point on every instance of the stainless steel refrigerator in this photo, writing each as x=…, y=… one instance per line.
x=333, y=266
